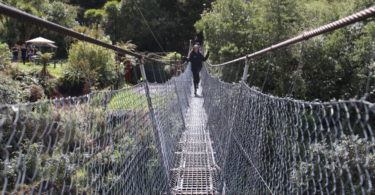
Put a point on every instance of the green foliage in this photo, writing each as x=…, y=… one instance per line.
x=127, y=101
x=61, y=13
x=119, y=19
x=45, y=58
x=172, y=56
x=10, y=91
x=334, y=65
x=348, y=153
x=92, y=64
x=110, y=24
x=30, y=83
x=56, y=72
x=88, y=3
x=162, y=17
x=94, y=16
x=5, y=55
x=17, y=31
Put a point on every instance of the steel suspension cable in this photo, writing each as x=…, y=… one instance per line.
x=359, y=16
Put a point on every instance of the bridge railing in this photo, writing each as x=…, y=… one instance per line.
x=113, y=142
x=103, y=142
x=271, y=145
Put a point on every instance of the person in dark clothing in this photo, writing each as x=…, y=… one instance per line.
x=29, y=54
x=24, y=53
x=15, y=53
x=196, y=58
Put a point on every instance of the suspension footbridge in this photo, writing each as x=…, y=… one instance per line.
x=157, y=138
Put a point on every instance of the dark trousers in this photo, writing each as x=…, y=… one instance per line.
x=15, y=57
x=24, y=59
x=196, y=78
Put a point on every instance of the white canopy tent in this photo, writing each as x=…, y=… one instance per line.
x=40, y=41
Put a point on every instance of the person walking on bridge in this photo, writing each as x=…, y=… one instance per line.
x=196, y=58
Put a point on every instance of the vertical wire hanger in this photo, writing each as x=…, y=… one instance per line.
x=86, y=63
x=369, y=76
x=118, y=58
x=270, y=63
x=299, y=68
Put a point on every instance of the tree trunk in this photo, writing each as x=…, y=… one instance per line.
x=44, y=70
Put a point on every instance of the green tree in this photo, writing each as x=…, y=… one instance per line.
x=111, y=26
x=5, y=55
x=61, y=13
x=334, y=65
x=45, y=58
x=92, y=64
x=18, y=31
x=94, y=17
x=88, y=4
x=171, y=22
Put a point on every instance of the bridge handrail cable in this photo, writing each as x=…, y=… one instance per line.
x=359, y=16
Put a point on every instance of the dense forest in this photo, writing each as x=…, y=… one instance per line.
x=336, y=65
x=172, y=21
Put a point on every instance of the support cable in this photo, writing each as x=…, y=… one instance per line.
x=359, y=16
x=149, y=27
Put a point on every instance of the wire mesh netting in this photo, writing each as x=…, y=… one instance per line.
x=101, y=143
x=265, y=144
x=131, y=140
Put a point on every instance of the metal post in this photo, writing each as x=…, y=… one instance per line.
x=157, y=132
x=143, y=72
x=245, y=71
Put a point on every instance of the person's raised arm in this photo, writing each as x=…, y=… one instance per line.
x=207, y=55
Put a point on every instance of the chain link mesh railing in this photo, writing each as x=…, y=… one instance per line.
x=271, y=145
x=101, y=143
x=107, y=142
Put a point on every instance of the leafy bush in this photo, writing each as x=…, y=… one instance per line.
x=4, y=55
x=94, y=16
x=172, y=56
x=45, y=58
x=71, y=85
x=90, y=63
x=10, y=91
x=341, y=159
x=11, y=70
x=31, y=84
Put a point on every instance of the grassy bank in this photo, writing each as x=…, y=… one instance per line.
x=57, y=72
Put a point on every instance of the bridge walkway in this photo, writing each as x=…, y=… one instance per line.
x=195, y=170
